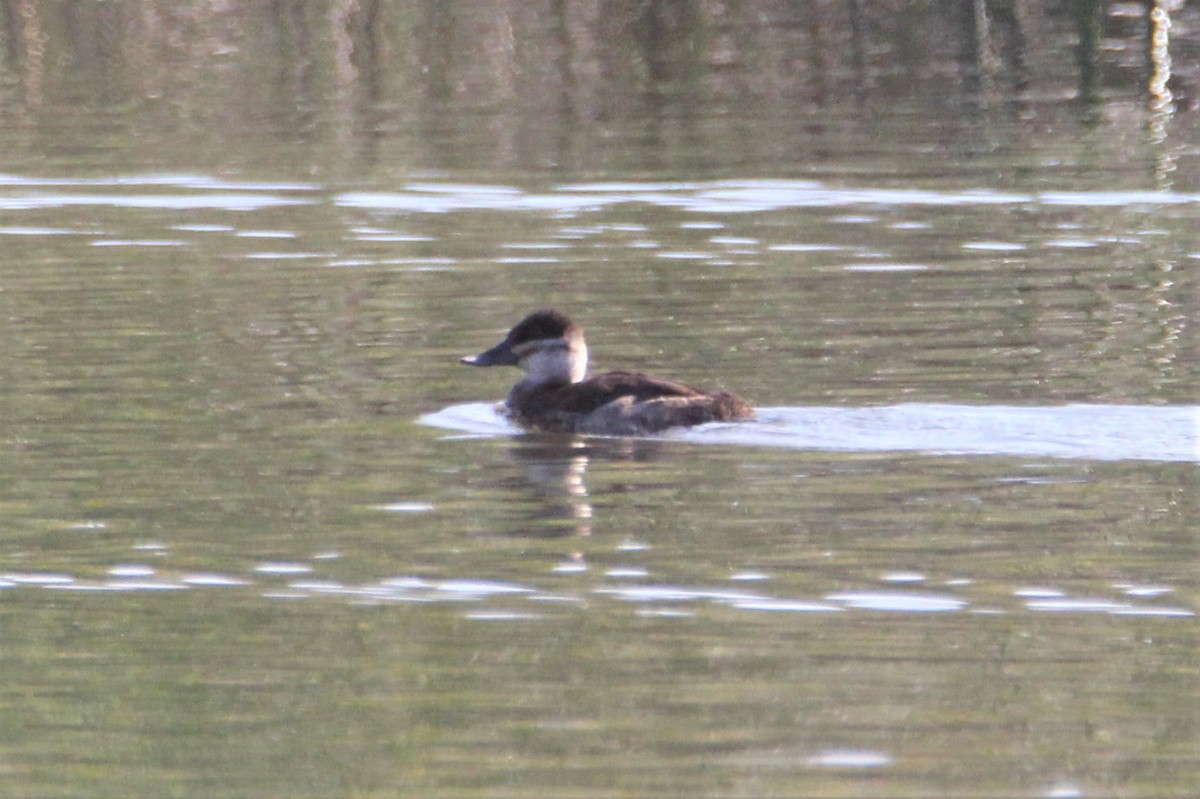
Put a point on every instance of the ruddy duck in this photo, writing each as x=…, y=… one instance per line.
x=553, y=396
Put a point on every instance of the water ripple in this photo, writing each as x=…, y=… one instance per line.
x=502, y=600
x=724, y=197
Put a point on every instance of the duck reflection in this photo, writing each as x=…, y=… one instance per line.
x=555, y=470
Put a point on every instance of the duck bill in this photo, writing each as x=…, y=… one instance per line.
x=499, y=355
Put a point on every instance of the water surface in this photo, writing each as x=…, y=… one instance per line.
x=1095, y=432
x=262, y=535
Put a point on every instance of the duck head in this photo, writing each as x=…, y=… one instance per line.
x=546, y=345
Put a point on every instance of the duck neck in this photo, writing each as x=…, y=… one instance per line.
x=554, y=366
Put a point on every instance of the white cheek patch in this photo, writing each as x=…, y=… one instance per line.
x=552, y=360
x=546, y=365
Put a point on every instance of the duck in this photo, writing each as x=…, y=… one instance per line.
x=555, y=395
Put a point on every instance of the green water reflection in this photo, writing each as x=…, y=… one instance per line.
x=234, y=562
x=233, y=695
x=243, y=250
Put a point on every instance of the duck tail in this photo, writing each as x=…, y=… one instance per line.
x=729, y=407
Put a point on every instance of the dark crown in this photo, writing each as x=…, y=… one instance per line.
x=542, y=325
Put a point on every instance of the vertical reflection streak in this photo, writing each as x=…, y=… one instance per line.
x=1162, y=105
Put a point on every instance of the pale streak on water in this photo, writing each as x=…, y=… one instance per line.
x=194, y=192
x=1096, y=432
x=727, y=197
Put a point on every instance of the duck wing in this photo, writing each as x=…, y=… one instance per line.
x=595, y=393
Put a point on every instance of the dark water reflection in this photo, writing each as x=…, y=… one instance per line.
x=956, y=556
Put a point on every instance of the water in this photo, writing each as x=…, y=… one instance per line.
x=262, y=535
x=250, y=489
x=1096, y=432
